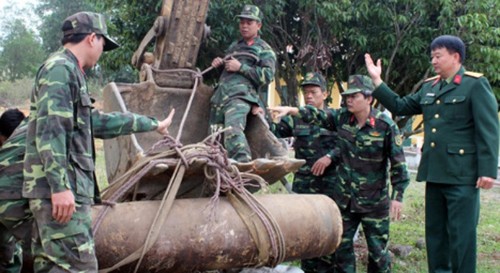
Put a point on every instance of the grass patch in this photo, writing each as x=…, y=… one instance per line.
x=100, y=171
x=15, y=94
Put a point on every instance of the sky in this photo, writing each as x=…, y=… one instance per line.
x=19, y=3
x=28, y=15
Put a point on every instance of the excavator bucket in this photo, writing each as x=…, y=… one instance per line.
x=271, y=160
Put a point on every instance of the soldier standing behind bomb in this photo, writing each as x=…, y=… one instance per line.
x=369, y=152
x=244, y=75
x=315, y=145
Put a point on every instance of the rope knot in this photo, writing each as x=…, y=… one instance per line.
x=167, y=142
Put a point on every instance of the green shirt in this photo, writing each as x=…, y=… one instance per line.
x=311, y=142
x=461, y=127
x=59, y=142
x=254, y=73
x=367, y=157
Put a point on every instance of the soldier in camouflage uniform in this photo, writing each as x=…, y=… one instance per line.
x=10, y=250
x=369, y=143
x=59, y=161
x=246, y=72
x=15, y=216
x=315, y=145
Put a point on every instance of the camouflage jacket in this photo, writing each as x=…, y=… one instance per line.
x=253, y=74
x=104, y=125
x=364, y=155
x=311, y=141
x=11, y=163
x=59, y=142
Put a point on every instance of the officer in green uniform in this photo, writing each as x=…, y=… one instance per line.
x=249, y=70
x=59, y=160
x=369, y=152
x=459, y=154
x=315, y=145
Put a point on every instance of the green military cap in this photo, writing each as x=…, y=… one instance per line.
x=251, y=12
x=86, y=23
x=314, y=78
x=359, y=83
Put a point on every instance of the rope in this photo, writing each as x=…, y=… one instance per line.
x=188, y=107
x=225, y=178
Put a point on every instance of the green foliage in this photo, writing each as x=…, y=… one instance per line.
x=479, y=26
x=20, y=51
x=100, y=172
x=325, y=36
x=129, y=21
x=114, y=64
x=53, y=13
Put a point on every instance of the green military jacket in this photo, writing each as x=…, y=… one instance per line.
x=311, y=142
x=105, y=126
x=59, y=142
x=366, y=158
x=460, y=127
x=11, y=163
x=254, y=73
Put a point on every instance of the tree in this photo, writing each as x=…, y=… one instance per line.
x=295, y=30
x=479, y=26
x=332, y=37
x=129, y=22
x=53, y=13
x=21, y=52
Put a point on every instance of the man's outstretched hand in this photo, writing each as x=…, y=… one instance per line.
x=375, y=70
x=164, y=124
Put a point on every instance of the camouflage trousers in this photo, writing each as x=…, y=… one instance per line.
x=305, y=182
x=233, y=113
x=376, y=229
x=310, y=184
x=15, y=233
x=62, y=247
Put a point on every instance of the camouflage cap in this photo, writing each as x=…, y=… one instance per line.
x=251, y=12
x=86, y=23
x=359, y=83
x=314, y=78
